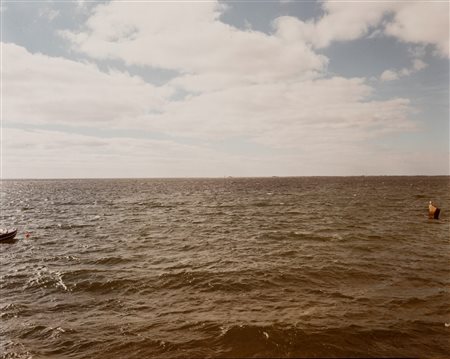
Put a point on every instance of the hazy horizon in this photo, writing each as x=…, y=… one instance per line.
x=206, y=178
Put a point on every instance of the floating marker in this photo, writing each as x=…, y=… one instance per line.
x=433, y=211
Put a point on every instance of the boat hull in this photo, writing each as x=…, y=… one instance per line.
x=8, y=236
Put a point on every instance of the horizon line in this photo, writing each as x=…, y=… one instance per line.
x=214, y=177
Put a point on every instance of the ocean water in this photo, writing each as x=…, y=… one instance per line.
x=232, y=267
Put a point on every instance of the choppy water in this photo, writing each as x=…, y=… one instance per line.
x=272, y=267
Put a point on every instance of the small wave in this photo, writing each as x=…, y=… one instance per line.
x=421, y=196
x=59, y=281
x=407, y=302
x=104, y=285
x=41, y=332
x=287, y=253
x=69, y=203
x=110, y=261
x=45, y=278
x=15, y=350
x=66, y=226
x=14, y=310
x=206, y=281
x=180, y=279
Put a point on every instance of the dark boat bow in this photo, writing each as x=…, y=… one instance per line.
x=7, y=235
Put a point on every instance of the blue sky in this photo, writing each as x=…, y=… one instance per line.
x=237, y=88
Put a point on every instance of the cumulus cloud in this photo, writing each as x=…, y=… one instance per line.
x=325, y=115
x=211, y=55
x=44, y=89
x=391, y=75
x=346, y=21
x=423, y=23
x=412, y=22
x=288, y=114
x=190, y=38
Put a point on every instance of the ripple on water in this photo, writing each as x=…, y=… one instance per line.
x=275, y=267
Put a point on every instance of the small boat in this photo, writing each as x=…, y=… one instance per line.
x=7, y=235
x=433, y=211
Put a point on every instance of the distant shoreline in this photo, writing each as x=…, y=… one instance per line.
x=215, y=178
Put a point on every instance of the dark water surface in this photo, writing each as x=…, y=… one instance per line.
x=274, y=267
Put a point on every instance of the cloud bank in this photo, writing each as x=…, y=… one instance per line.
x=270, y=91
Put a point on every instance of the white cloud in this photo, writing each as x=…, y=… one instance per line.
x=423, y=23
x=267, y=89
x=288, y=115
x=391, y=75
x=44, y=153
x=341, y=22
x=348, y=21
x=327, y=116
x=43, y=89
x=412, y=22
x=190, y=38
x=81, y=3
x=212, y=55
x=49, y=153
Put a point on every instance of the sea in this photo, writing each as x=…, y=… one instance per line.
x=300, y=267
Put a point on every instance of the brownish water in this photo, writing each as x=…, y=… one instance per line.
x=273, y=267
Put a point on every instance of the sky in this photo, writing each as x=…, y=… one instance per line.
x=119, y=89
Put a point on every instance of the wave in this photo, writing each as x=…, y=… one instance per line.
x=108, y=277
x=195, y=268
x=347, y=341
x=109, y=261
x=214, y=339
x=43, y=278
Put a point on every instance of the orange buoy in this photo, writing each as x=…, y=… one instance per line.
x=433, y=211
